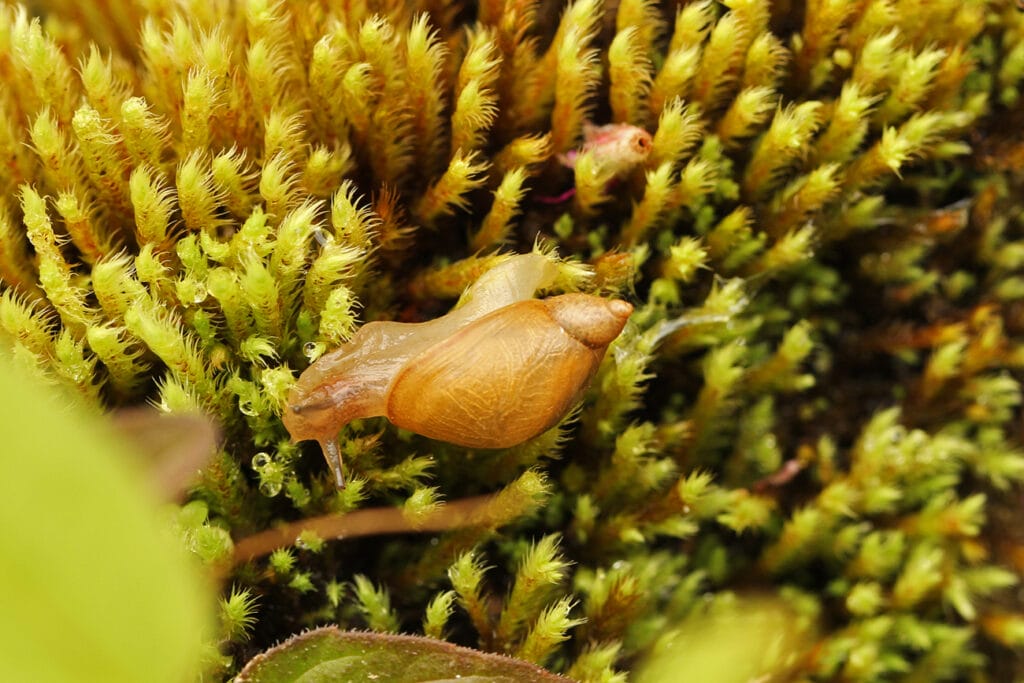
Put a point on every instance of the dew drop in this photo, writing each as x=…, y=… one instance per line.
x=270, y=488
x=260, y=461
x=247, y=408
x=312, y=350
x=192, y=290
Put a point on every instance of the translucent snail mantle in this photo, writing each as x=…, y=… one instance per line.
x=492, y=373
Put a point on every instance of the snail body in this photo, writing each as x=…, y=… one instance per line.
x=498, y=370
x=618, y=148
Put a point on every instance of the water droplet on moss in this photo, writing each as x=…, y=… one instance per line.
x=312, y=350
x=270, y=487
x=260, y=461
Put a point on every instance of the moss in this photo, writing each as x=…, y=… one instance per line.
x=818, y=396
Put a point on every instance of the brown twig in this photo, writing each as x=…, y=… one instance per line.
x=465, y=512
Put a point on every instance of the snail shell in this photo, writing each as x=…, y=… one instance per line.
x=493, y=373
x=510, y=375
x=618, y=148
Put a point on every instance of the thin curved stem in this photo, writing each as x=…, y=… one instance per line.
x=465, y=512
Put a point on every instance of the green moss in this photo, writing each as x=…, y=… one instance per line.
x=818, y=396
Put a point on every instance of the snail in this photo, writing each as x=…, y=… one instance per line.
x=494, y=372
x=617, y=147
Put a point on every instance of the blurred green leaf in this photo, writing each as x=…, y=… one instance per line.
x=94, y=587
x=732, y=640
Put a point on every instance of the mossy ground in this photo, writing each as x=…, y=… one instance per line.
x=818, y=397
